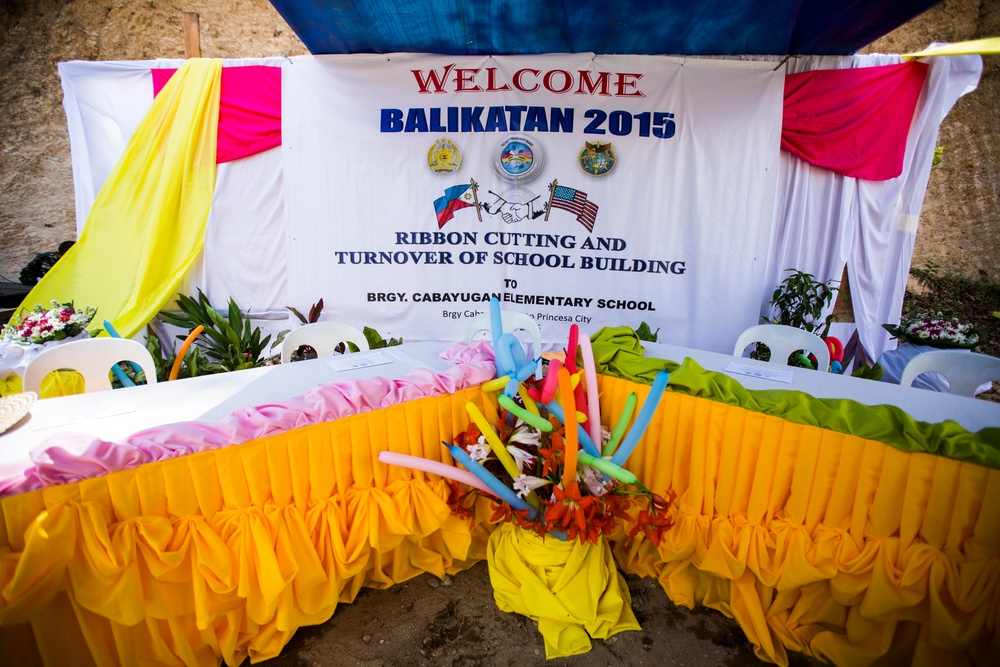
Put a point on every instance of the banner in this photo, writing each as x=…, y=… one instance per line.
x=590, y=190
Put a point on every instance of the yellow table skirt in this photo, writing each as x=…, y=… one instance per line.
x=813, y=541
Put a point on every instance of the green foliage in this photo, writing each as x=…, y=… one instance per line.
x=314, y=313
x=938, y=155
x=231, y=341
x=644, y=332
x=799, y=302
x=375, y=341
x=869, y=372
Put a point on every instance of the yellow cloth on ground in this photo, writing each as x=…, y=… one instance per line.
x=573, y=589
x=147, y=225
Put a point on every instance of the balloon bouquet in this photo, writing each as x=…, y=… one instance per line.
x=557, y=483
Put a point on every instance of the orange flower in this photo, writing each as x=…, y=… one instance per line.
x=652, y=525
x=573, y=513
x=553, y=455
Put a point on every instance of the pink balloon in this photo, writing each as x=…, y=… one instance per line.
x=434, y=468
x=593, y=400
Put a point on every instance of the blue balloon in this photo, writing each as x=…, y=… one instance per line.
x=642, y=420
x=504, y=492
x=836, y=367
x=506, y=362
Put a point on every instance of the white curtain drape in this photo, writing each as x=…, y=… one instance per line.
x=822, y=221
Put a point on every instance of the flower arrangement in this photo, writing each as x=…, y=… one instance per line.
x=539, y=473
x=936, y=330
x=557, y=487
x=39, y=326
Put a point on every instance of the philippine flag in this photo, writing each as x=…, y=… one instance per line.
x=456, y=197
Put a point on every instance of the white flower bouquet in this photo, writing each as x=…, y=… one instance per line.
x=935, y=329
x=40, y=326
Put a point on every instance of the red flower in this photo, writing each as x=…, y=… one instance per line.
x=572, y=512
x=553, y=455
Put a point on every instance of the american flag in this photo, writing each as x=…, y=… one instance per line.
x=576, y=202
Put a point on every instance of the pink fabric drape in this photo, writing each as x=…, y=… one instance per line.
x=249, y=109
x=852, y=121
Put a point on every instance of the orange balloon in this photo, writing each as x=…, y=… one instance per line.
x=176, y=368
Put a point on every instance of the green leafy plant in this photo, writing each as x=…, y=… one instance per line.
x=231, y=341
x=375, y=342
x=799, y=301
x=867, y=372
x=314, y=313
x=644, y=332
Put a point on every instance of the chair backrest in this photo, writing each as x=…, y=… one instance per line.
x=782, y=340
x=964, y=370
x=92, y=358
x=324, y=337
x=512, y=320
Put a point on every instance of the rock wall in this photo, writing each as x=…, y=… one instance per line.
x=959, y=225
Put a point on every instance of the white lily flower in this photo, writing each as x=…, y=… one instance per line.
x=525, y=484
x=479, y=450
x=526, y=435
x=523, y=459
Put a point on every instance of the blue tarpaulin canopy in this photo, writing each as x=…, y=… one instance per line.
x=664, y=27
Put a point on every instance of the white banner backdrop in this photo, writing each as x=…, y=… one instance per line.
x=821, y=217
x=681, y=223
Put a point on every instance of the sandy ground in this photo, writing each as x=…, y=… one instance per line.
x=424, y=621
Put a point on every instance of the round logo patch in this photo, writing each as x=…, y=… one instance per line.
x=519, y=159
x=597, y=158
x=444, y=157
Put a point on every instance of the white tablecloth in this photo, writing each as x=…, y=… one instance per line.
x=921, y=404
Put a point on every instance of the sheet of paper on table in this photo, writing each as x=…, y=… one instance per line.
x=757, y=372
x=90, y=411
x=351, y=362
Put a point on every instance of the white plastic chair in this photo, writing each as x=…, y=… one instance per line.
x=965, y=371
x=92, y=358
x=324, y=337
x=782, y=340
x=512, y=320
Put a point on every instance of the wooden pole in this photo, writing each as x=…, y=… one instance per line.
x=552, y=194
x=192, y=35
x=475, y=198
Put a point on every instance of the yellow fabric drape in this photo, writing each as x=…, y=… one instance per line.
x=572, y=589
x=987, y=46
x=147, y=225
x=814, y=541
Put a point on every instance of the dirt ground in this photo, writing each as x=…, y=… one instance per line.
x=424, y=621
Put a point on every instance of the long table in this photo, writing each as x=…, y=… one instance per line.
x=814, y=540
x=922, y=404
x=113, y=415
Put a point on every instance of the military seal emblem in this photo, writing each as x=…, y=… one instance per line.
x=596, y=158
x=518, y=159
x=444, y=157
